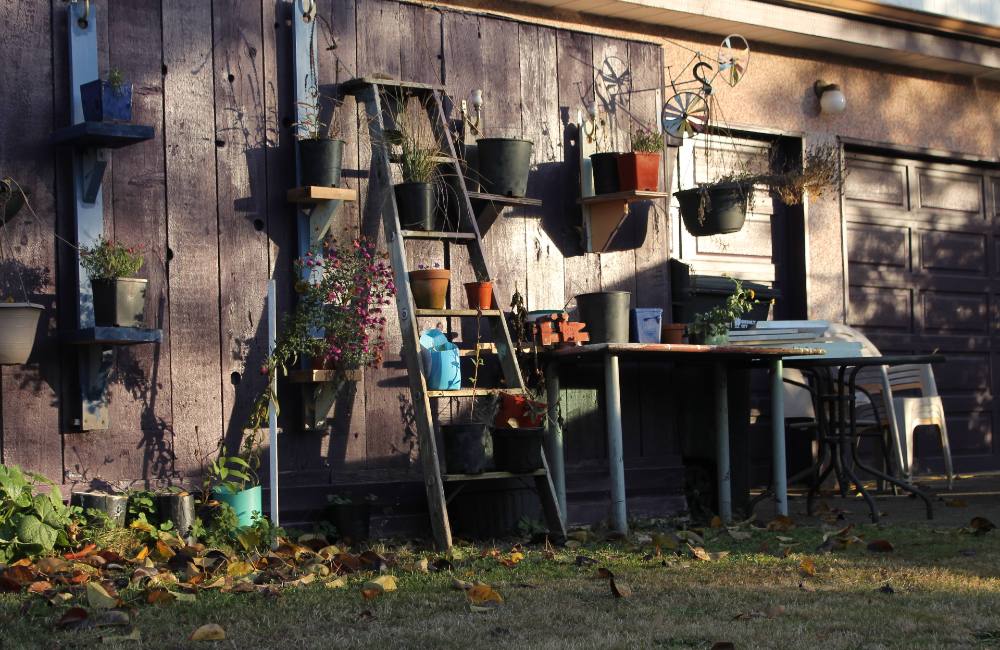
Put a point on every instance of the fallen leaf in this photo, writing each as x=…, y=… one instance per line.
x=981, y=525
x=807, y=567
x=690, y=537
x=781, y=524
x=738, y=535
x=368, y=593
x=208, y=632
x=460, y=584
x=699, y=553
x=89, y=549
x=482, y=594
x=50, y=565
x=159, y=596
x=39, y=587
x=239, y=569
x=99, y=598
x=72, y=618
x=385, y=583
x=60, y=598
x=956, y=503
x=620, y=588
x=423, y=566
x=114, y=618
x=881, y=546
x=604, y=573
x=336, y=583
x=134, y=635
x=716, y=522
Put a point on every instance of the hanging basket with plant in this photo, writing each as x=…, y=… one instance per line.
x=18, y=318
x=119, y=299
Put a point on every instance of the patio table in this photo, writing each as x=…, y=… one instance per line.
x=837, y=421
x=720, y=357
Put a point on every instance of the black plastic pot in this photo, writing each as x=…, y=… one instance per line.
x=503, y=165
x=320, y=162
x=353, y=520
x=606, y=315
x=605, y=168
x=724, y=207
x=517, y=450
x=120, y=302
x=415, y=204
x=464, y=448
x=179, y=509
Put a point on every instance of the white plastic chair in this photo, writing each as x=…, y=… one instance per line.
x=916, y=411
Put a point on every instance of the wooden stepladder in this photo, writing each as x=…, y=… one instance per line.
x=373, y=92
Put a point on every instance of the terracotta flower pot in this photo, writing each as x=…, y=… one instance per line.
x=430, y=287
x=673, y=333
x=480, y=294
x=639, y=171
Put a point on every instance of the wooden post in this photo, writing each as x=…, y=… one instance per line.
x=555, y=437
x=722, y=443
x=778, y=437
x=616, y=460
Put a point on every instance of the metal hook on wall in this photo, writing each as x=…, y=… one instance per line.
x=84, y=20
x=308, y=10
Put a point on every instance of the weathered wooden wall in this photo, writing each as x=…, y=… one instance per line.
x=205, y=197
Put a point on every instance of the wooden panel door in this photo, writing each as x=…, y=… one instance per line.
x=924, y=276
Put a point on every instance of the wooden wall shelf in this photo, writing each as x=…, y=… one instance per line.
x=317, y=194
x=102, y=135
x=628, y=197
x=112, y=336
x=487, y=207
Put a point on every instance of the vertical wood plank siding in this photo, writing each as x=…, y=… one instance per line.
x=206, y=199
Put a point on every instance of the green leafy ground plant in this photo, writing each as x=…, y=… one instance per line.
x=31, y=521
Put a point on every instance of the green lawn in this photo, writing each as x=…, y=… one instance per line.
x=945, y=593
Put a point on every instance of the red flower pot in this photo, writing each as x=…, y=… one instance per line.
x=480, y=294
x=639, y=171
x=673, y=333
x=526, y=413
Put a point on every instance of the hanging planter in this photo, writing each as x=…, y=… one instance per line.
x=18, y=324
x=605, y=170
x=429, y=287
x=714, y=209
x=107, y=100
x=503, y=165
x=480, y=294
x=12, y=199
x=415, y=203
x=320, y=161
x=464, y=448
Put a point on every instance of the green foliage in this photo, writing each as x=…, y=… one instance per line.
x=116, y=80
x=141, y=504
x=530, y=527
x=231, y=473
x=110, y=260
x=644, y=141
x=717, y=320
x=31, y=522
x=418, y=159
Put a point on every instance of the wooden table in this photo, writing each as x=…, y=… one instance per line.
x=719, y=357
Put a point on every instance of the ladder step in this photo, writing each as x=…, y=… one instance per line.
x=469, y=392
x=354, y=85
x=439, y=234
x=500, y=199
x=493, y=313
x=441, y=160
x=488, y=476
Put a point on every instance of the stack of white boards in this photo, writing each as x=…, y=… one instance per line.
x=777, y=333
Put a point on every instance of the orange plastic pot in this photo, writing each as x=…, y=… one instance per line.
x=673, y=333
x=480, y=294
x=519, y=409
x=639, y=171
x=429, y=287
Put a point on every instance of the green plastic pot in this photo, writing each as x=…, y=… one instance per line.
x=724, y=210
x=320, y=162
x=245, y=502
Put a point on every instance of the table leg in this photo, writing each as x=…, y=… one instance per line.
x=778, y=437
x=616, y=461
x=557, y=465
x=722, y=443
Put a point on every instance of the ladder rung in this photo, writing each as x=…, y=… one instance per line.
x=486, y=476
x=439, y=234
x=469, y=392
x=458, y=312
x=441, y=160
x=500, y=199
x=354, y=85
x=484, y=348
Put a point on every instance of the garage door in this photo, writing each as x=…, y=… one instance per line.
x=924, y=275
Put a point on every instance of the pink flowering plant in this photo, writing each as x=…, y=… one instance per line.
x=343, y=292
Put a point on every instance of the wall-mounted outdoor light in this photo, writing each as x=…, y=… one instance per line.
x=476, y=99
x=831, y=97
x=590, y=126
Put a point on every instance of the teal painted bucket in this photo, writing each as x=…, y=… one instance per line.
x=245, y=502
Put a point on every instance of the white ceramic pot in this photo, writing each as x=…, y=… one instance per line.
x=18, y=324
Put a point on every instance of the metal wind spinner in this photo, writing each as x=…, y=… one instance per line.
x=688, y=112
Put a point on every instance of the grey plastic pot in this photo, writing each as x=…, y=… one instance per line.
x=18, y=324
x=606, y=315
x=503, y=165
x=724, y=209
x=120, y=302
x=320, y=162
x=415, y=203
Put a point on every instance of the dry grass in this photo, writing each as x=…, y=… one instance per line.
x=945, y=583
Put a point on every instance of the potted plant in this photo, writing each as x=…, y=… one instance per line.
x=351, y=516
x=119, y=300
x=503, y=165
x=640, y=168
x=346, y=294
x=712, y=327
x=715, y=208
x=465, y=442
x=415, y=196
x=430, y=286
x=320, y=150
x=18, y=320
x=234, y=481
x=107, y=100
x=480, y=294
